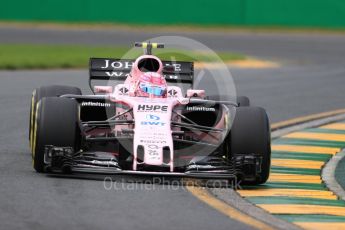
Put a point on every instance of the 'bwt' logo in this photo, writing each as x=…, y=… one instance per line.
x=152, y=117
x=153, y=123
x=152, y=120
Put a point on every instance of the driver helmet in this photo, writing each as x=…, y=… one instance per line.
x=151, y=84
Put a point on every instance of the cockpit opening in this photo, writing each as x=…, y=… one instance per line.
x=148, y=65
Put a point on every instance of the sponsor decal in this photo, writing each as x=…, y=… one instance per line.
x=95, y=104
x=117, y=64
x=153, y=136
x=116, y=74
x=153, y=142
x=105, y=163
x=154, y=108
x=120, y=64
x=153, y=123
x=200, y=108
x=152, y=151
x=123, y=90
x=172, y=77
x=197, y=167
x=177, y=67
x=172, y=93
x=152, y=117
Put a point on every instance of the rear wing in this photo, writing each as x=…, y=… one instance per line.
x=107, y=69
x=117, y=70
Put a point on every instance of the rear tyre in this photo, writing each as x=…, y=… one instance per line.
x=250, y=134
x=46, y=91
x=56, y=124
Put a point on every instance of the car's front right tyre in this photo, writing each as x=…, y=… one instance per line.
x=56, y=123
x=46, y=91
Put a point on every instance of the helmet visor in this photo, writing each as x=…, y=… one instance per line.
x=150, y=89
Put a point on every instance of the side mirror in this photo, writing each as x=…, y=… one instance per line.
x=196, y=93
x=103, y=89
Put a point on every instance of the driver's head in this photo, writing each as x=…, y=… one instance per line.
x=151, y=84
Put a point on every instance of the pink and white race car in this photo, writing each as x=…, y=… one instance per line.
x=147, y=120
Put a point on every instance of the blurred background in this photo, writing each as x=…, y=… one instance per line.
x=293, y=13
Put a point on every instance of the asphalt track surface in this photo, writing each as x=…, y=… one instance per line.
x=311, y=79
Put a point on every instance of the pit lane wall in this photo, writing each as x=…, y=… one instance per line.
x=295, y=13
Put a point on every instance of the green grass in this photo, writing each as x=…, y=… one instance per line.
x=29, y=56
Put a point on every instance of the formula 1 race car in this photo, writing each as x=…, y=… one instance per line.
x=148, y=121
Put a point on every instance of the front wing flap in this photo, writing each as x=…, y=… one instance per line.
x=63, y=159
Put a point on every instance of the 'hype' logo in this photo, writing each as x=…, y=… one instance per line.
x=154, y=108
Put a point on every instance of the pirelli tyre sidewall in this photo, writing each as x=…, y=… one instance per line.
x=33, y=105
x=250, y=134
x=56, y=123
x=46, y=91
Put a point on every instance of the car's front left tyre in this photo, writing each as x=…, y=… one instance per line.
x=250, y=136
